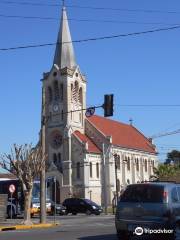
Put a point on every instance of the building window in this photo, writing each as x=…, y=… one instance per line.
x=118, y=162
x=71, y=92
x=56, y=91
x=80, y=95
x=62, y=115
x=50, y=95
x=153, y=164
x=90, y=169
x=128, y=182
x=145, y=165
x=137, y=164
x=118, y=185
x=97, y=170
x=55, y=158
x=61, y=91
x=128, y=164
x=78, y=170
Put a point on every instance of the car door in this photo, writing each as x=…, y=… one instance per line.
x=177, y=205
x=82, y=206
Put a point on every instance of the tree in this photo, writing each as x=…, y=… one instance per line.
x=26, y=163
x=174, y=157
x=165, y=172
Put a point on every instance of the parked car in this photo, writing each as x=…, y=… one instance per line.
x=60, y=209
x=151, y=205
x=78, y=205
x=35, y=206
x=50, y=206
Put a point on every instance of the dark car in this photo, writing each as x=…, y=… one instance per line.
x=78, y=205
x=149, y=208
x=51, y=206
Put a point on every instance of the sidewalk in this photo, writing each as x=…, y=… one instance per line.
x=14, y=224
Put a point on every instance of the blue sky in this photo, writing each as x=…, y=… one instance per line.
x=140, y=69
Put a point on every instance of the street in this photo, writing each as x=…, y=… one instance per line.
x=79, y=227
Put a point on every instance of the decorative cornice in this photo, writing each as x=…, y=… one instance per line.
x=67, y=71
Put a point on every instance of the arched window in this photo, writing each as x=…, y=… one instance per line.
x=137, y=164
x=56, y=90
x=118, y=185
x=128, y=182
x=153, y=164
x=128, y=164
x=97, y=170
x=118, y=162
x=50, y=95
x=60, y=163
x=145, y=165
x=71, y=92
x=76, y=92
x=90, y=169
x=61, y=91
x=55, y=159
x=78, y=170
x=80, y=95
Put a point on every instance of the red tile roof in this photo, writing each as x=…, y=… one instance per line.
x=122, y=134
x=84, y=138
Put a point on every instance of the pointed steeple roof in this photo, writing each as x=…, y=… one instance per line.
x=64, y=54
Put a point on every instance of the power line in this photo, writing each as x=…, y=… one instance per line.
x=89, y=7
x=86, y=20
x=166, y=134
x=148, y=105
x=94, y=39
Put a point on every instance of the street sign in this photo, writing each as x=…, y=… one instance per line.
x=12, y=188
x=90, y=111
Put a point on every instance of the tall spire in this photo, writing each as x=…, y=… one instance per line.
x=64, y=54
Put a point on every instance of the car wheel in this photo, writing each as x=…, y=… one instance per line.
x=97, y=213
x=88, y=212
x=66, y=212
x=74, y=213
x=122, y=235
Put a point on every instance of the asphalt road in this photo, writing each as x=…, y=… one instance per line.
x=80, y=227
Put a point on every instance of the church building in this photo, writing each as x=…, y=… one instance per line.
x=91, y=157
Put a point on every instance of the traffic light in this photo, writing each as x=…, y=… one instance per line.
x=108, y=105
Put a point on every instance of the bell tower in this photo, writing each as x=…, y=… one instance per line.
x=64, y=97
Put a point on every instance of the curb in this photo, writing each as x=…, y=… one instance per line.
x=22, y=227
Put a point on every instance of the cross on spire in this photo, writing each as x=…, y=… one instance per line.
x=63, y=3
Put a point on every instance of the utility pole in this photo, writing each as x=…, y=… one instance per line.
x=104, y=179
x=115, y=164
x=43, y=172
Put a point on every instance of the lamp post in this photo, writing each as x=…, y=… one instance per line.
x=104, y=180
x=43, y=171
x=115, y=164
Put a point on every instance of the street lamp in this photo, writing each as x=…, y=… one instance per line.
x=115, y=164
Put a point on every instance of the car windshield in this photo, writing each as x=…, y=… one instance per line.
x=143, y=193
x=90, y=202
x=35, y=200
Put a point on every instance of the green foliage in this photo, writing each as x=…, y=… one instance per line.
x=173, y=156
x=167, y=172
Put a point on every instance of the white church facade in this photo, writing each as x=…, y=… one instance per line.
x=81, y=151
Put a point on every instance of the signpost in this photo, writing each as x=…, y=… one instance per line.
x=12, y=189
